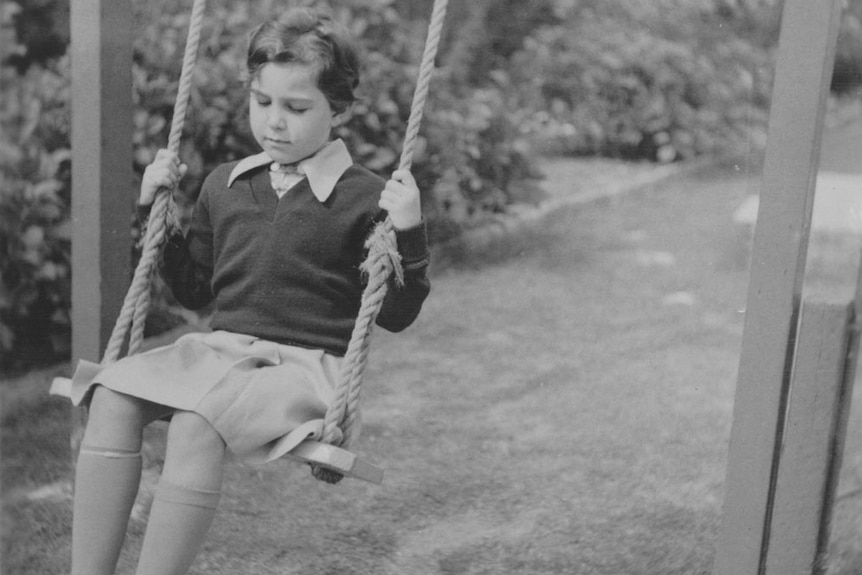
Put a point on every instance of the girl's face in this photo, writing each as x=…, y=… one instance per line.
x=290, y=117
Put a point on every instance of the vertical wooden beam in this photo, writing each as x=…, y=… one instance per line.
x=803, y=72
x=101, y=56
x=814, y=433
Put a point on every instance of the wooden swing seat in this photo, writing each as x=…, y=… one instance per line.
x=309, y=451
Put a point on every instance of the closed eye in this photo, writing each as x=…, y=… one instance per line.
x=293, y=105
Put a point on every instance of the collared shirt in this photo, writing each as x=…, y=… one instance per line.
x=323, y=169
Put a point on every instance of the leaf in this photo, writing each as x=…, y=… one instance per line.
x=45, y=190
x=382, y=159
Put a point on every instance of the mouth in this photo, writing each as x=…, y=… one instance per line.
x=277, y=141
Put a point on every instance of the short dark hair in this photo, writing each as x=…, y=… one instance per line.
x=309, y=37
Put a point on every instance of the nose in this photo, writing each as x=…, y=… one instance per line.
x=275, y=120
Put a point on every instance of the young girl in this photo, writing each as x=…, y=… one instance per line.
x=275, y=241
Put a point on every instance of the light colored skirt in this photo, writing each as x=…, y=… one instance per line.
x=263, y=398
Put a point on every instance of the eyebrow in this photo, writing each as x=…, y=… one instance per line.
x=291, y=100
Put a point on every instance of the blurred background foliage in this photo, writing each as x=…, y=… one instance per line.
x=658, y=81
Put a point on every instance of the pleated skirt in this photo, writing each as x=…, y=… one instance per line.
x=263, y=398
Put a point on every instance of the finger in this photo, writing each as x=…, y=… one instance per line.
x=157, y=175
x=397, y=187
x=174, y=172
x=403, y=176
x=390, y=196
x=164, y=154
x=167, y=157
x=166, y=180
x=395, y=192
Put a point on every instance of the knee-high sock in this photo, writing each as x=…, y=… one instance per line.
x=106, y=483
x=179, y=520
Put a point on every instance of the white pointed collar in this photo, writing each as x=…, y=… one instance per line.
x=323, y=169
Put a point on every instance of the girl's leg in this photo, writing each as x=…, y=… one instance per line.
x=107, y=477
x=186, y=497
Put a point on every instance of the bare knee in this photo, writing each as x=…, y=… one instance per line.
x=115, y=420
x=195, y=452
x=191, y=432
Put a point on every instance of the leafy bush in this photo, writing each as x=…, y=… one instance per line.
x=34, y=208
x=470, y=160
x=40, y=30
x=662, y=80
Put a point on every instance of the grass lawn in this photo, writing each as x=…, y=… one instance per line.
x=562, y=406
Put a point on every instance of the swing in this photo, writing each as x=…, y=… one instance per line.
x=329, y=457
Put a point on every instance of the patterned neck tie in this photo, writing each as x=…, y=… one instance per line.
x=284, y=177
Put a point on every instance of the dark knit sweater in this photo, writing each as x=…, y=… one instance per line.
x=287, y=270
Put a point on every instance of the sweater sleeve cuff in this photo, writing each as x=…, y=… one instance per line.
x=413, y=243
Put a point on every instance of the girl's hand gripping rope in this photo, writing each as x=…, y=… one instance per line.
x=401, y=199
x=166, y=171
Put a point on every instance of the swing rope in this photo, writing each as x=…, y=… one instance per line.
x=340, y=426
x=137, y=302
x=382, y=260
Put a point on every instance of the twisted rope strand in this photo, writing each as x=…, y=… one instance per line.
x=383, y=269
x=139, y=318
x=136, y=303
x=341, y=423
x=140, y=281
x=342, y=413
x=185, y=84
x=420, y=94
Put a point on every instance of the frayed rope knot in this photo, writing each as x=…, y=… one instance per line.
x=170, y=220
x=383, y=257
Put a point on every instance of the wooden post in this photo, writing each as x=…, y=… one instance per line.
x=814, y=439
x=101, y=56
x=819, y=404
x=803, y=72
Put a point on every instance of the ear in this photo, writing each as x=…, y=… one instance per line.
x=340, y=118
